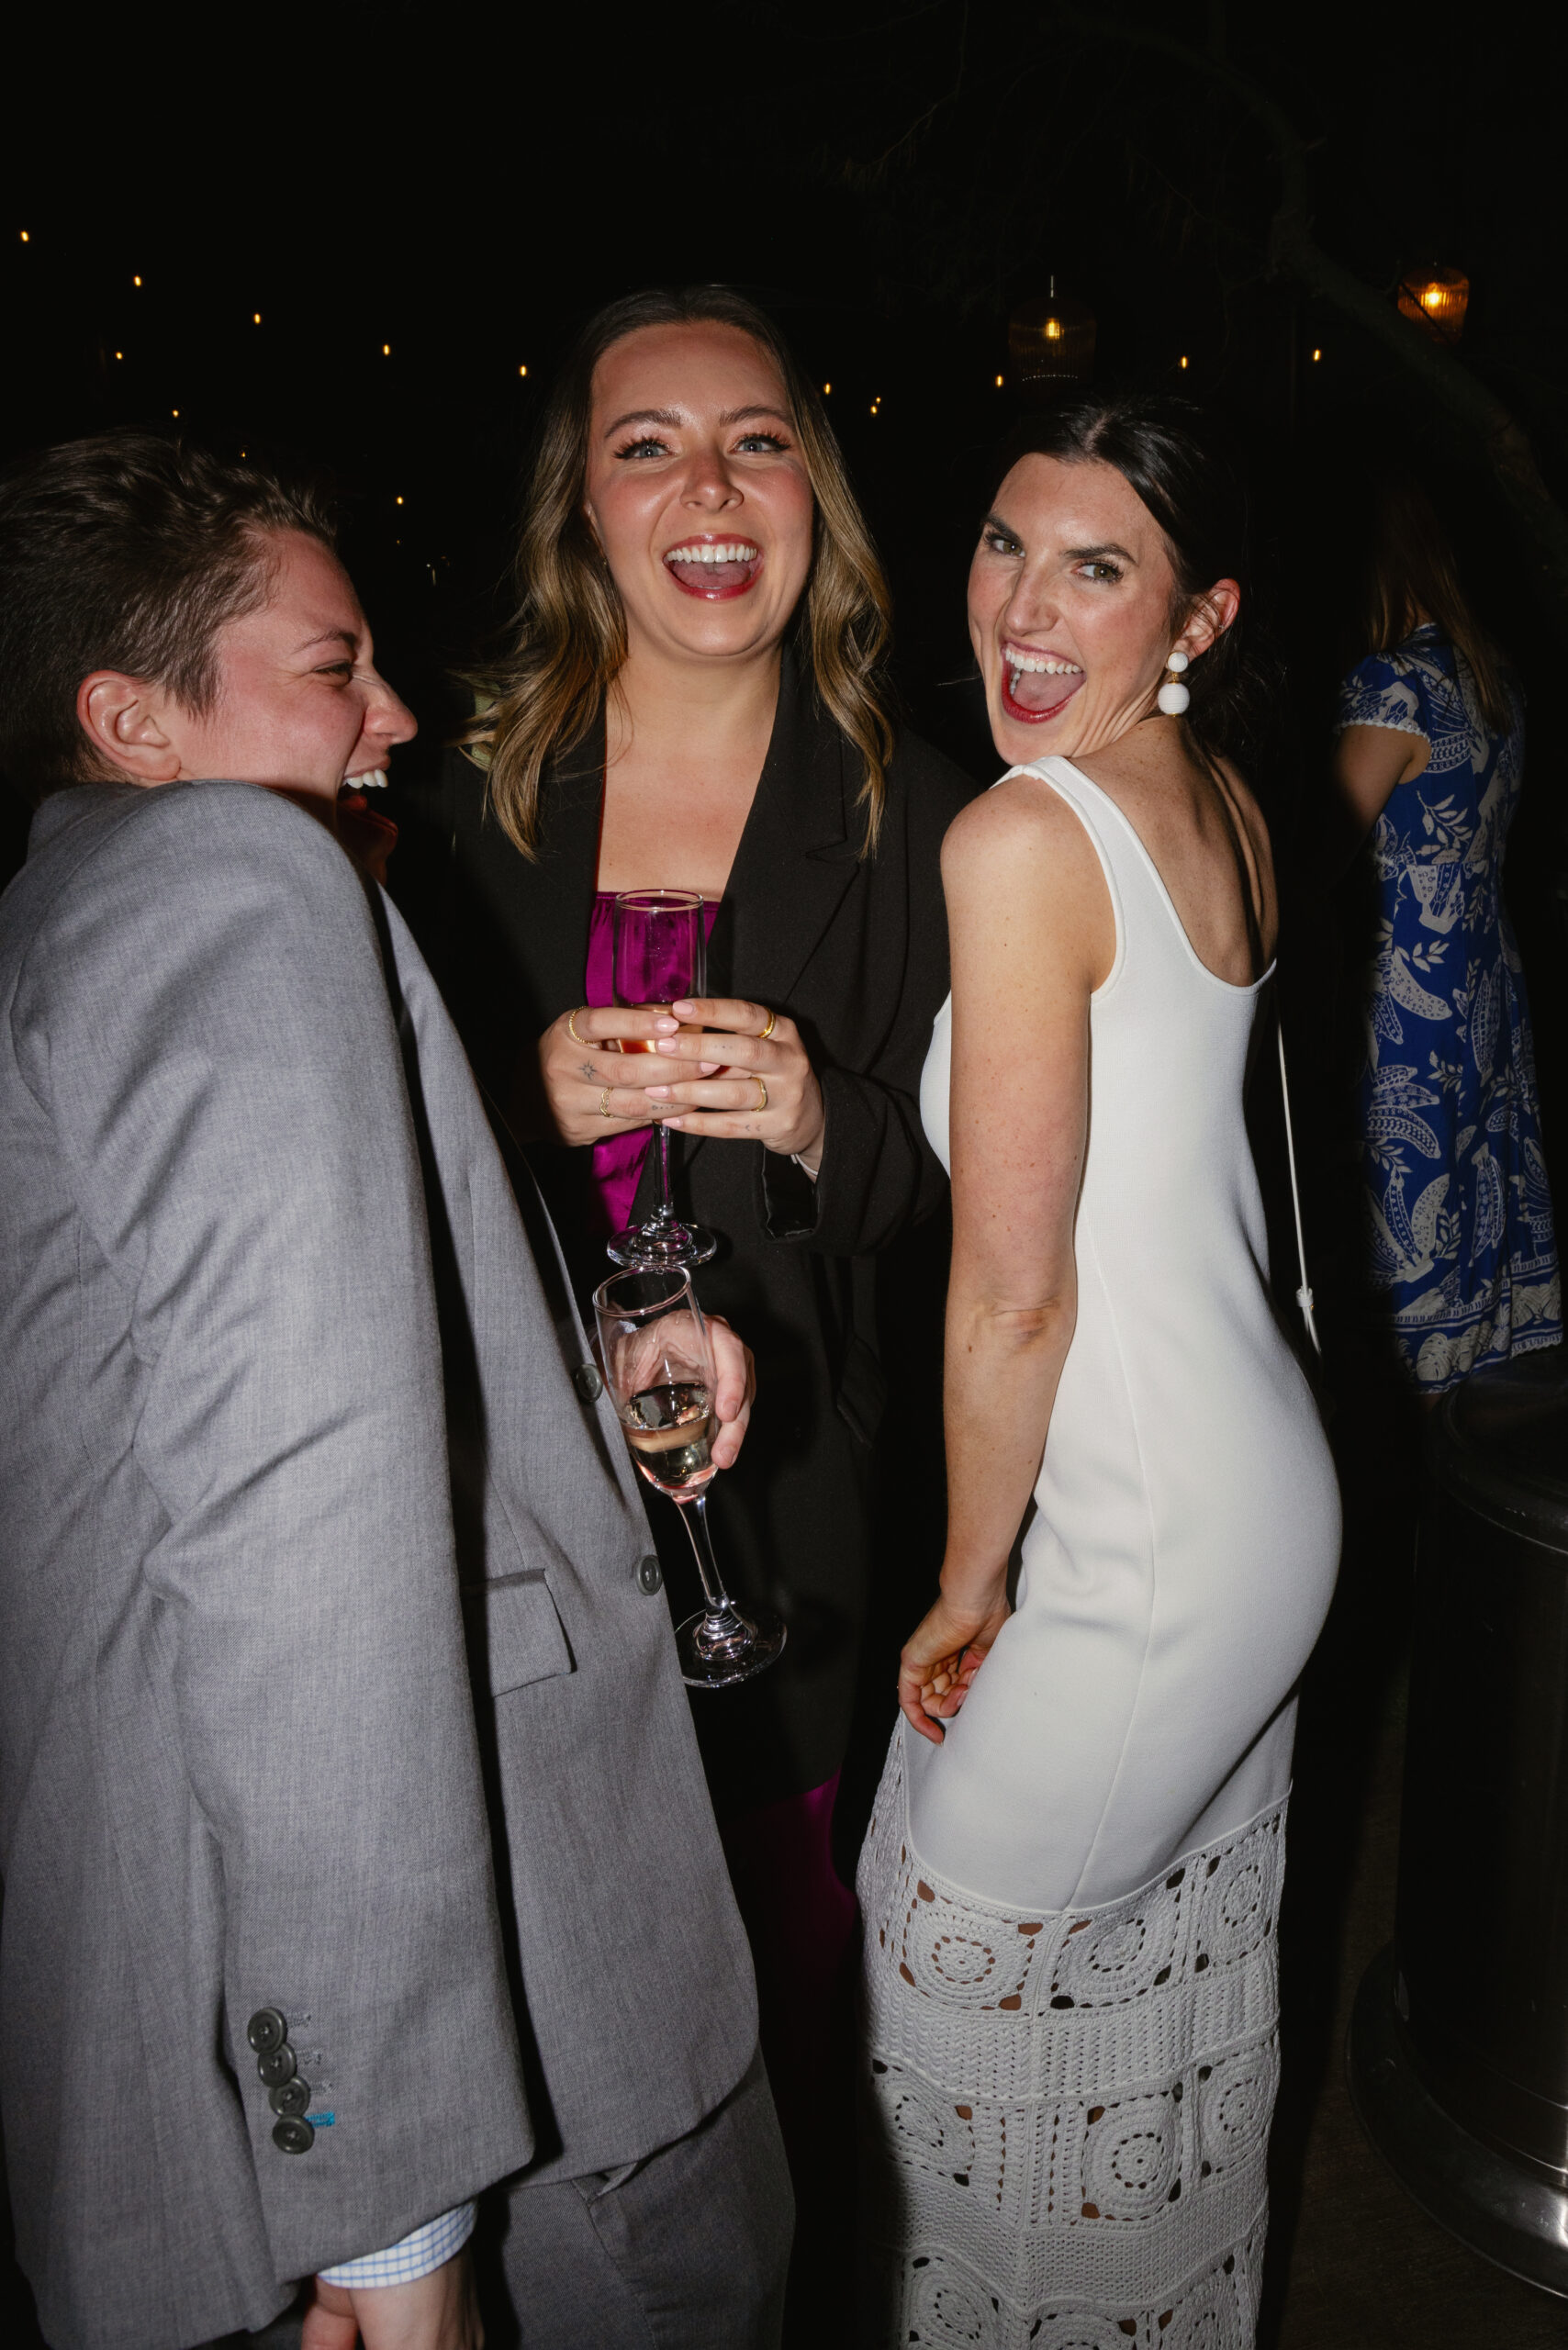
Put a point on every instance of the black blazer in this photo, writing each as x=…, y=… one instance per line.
x=854, y=950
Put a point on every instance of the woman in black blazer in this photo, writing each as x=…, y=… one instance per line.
x=844, y=944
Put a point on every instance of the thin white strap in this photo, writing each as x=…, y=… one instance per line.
x=1303, y=1296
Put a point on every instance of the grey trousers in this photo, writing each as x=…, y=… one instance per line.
x=686, y=2250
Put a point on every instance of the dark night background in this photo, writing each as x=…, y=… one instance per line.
x=1241, y=188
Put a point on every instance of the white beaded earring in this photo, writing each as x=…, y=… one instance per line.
x=1174, y=697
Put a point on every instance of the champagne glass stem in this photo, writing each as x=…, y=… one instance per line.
x=665, y=1207
x=695, y=1512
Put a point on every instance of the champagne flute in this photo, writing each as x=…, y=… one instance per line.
x=660, y=955
x=658, y=1363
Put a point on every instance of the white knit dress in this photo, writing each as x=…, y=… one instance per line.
x=1070, y=1983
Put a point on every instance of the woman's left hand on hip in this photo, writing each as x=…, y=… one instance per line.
x=764, y=1088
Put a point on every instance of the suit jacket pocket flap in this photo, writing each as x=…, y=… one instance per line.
x=514, y=1633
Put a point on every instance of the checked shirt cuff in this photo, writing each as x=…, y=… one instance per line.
x=400, y=2264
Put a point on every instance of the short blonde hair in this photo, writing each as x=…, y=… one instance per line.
x=568, y=639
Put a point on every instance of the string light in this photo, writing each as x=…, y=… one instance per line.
x=25, y=238
x=174, y=411
x=136, y=281
x=826, y=388
x=1183, y=359
x=399, y=501
x=119, y=354
x=386, y=351
x=255, y=318
x=522, y=371
x=1317, y=355
x=999, y=383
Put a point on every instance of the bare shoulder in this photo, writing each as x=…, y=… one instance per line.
x=1021, y=828
x=1023, y=879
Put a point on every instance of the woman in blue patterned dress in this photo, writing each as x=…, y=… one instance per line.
x=1461, y=1254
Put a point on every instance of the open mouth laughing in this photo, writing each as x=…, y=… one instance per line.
x=714, y=568
x=1035, y=686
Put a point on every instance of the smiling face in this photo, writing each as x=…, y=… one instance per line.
x=698, y=492
x=1071, y=592
x=299, y=705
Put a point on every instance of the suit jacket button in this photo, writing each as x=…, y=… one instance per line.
x=587, y=1382
x=293, y=2136
x=650, y=1575
x=265, y=2031
x=277, y=2066
x=289, y=2097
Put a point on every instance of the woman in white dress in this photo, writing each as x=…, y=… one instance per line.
x=1071, y=1881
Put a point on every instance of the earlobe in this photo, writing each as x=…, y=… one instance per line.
x=121, y=719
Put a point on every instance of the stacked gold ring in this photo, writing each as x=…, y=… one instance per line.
x=764, y=1034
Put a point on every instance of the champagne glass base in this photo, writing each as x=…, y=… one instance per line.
x=718, y=1646
x=652, y=1247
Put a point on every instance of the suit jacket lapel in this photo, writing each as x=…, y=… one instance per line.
x=797, y=856
x=561, y=900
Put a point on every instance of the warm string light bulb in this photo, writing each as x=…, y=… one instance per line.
x=25, y=238
x=1183, y=359
x=826, y=388
x=255, y=318
x=1317, y=355
x=999, y=383
x=386, y=351
x=136, y=281
x=522, y=371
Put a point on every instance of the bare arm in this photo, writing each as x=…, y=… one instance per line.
x=1032, y=936
x=1370, y=763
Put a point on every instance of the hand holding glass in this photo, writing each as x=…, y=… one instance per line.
x=658, y=1364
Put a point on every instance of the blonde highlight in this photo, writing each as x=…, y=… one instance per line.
x=567, y=641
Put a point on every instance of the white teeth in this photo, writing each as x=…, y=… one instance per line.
x=727, y=550
x=373, y=780
x=1036, y=664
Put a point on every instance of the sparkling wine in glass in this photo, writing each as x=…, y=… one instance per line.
x=658, y=1364
x=661, y=951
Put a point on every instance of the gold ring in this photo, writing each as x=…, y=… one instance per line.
x=763, y=1104
x=572, y=1027
x=764, y=1034
x=604, y=1104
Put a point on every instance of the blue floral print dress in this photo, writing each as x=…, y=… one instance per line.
x=1460, y=1248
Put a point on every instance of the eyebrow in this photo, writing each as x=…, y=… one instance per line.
x=673, y=416
x=329, y=636
x=1073, y=555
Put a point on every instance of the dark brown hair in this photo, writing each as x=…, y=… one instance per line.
x=127, y=551
x=1411, y=569
x=1175, y=459
x=568, y=639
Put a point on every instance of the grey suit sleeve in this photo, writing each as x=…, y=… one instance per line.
x=204, y=1017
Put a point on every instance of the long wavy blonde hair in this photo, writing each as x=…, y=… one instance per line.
x=567, y=641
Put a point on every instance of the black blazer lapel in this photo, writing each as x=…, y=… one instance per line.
x=797, y=856
x=560, y=888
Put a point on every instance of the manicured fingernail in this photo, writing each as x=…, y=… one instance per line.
x=707, y=1068
x=658, y=1092
x=686, y=1003
x=663, y=1028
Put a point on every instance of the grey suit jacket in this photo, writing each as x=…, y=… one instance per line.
x=238, y=1760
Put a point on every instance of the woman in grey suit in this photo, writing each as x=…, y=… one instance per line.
x=290, y=1391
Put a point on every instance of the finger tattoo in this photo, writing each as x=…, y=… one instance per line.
x=587, y=1072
